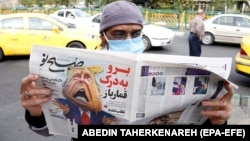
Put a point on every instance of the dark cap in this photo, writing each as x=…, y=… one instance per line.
x=120, y=12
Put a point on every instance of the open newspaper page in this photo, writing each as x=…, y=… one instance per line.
x=88, y=87
x=104, y=87
x=168, y=85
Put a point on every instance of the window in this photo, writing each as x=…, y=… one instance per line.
x=69, y=15
x=1, y=24
x=242, y=22
x=13, y=23
x=80, y=13
x=216, y=21
x=60, y=14
x=97, y=19
x=226, y=20
x=40, y=24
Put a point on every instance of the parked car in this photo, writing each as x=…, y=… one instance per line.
x=153, y=35
x=242, y=58
x=71, y=16
x=226, y=28
x=20, y=31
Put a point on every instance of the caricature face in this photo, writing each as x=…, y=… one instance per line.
x=81, y=88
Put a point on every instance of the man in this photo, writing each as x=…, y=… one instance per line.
x=120, y=28
x=196, y=33
x=70, y=15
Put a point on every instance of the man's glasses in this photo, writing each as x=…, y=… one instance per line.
x=122, y=35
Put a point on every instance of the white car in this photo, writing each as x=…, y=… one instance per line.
x=71, y=16
x=153, y=35
x=226, y=28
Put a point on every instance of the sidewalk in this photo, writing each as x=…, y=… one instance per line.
x=240, y=104
x=241, y=110
x=180, y=33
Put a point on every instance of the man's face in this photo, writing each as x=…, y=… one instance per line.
x=122, y=32
x=203, y=16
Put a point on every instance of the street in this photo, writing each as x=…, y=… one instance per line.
x=13, y=69
x=180, y=47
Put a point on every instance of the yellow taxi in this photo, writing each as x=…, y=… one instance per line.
x=242, y=58
x=19, y=31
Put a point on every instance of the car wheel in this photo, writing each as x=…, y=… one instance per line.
x=1, y=54
x=208, y=39
x=146, y=42
x=76, y=45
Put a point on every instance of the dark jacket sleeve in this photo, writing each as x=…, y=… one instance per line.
x=37, y=124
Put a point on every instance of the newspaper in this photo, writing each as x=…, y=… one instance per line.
x=105, y=87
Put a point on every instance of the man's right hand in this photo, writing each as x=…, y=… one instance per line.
x=32, y=97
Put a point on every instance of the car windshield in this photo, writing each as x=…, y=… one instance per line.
x=82, y=13
x=66, y=24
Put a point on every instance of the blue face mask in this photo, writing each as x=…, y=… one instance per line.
x=134, y=45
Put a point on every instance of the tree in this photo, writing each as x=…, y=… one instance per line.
x=221, y=5
x=104, y=2
x=58, y=2
x=155, y=4
x=161, y=4
x=88, y=2
x=27, y=3
x=183, y=4
x=229, y=4
x=171, y=4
